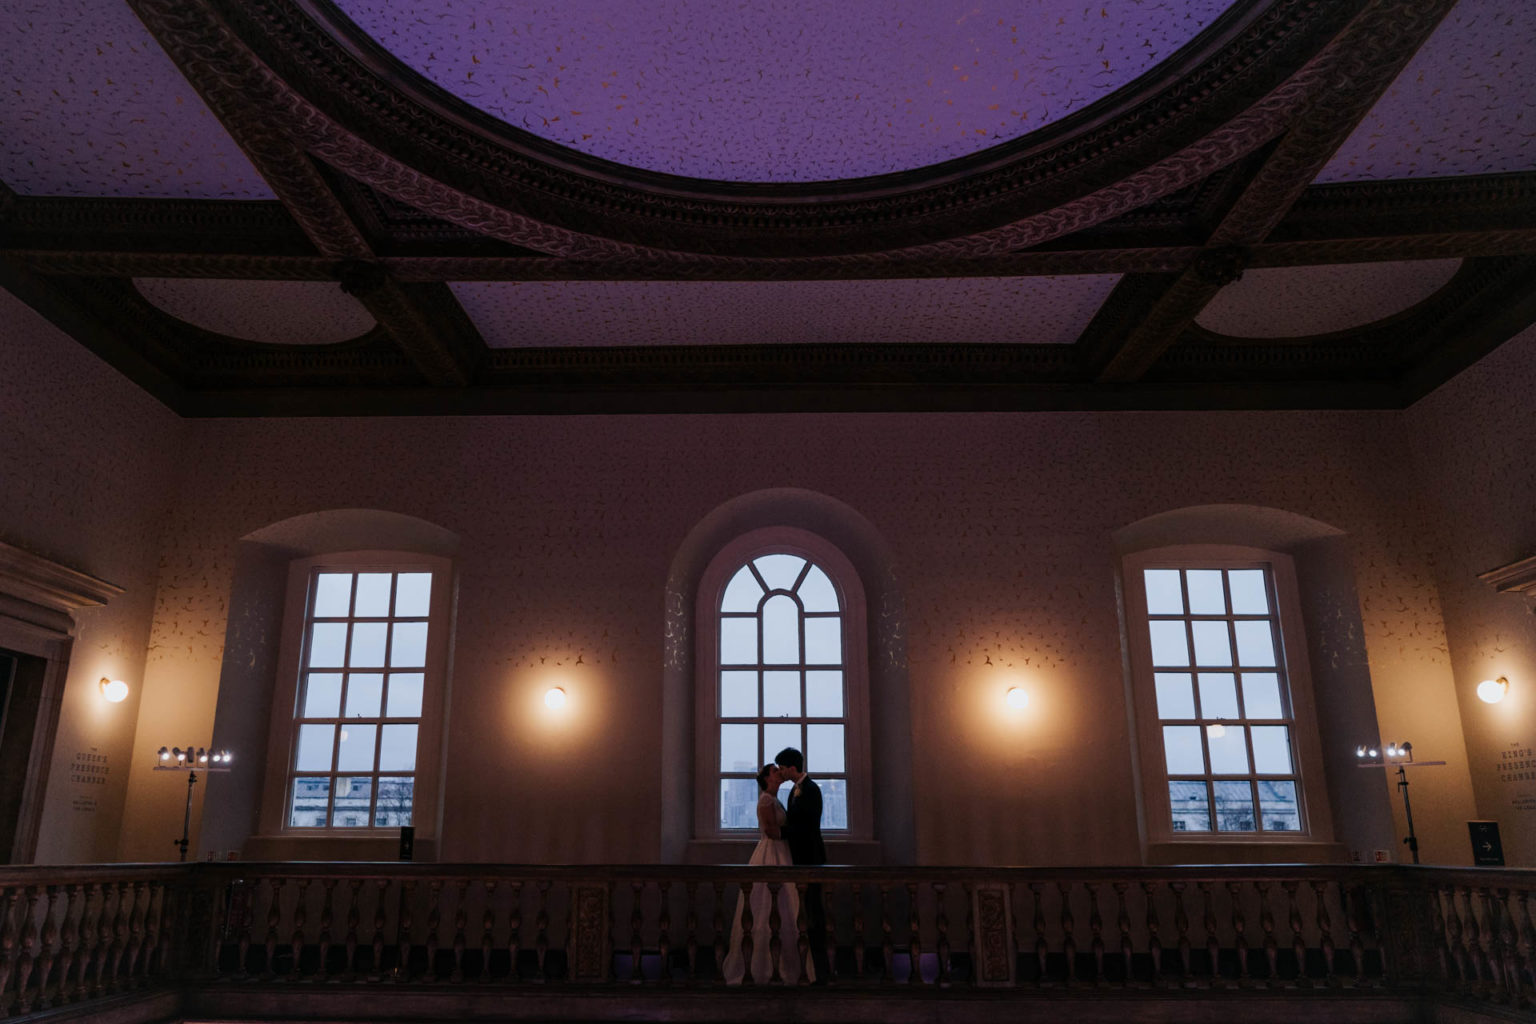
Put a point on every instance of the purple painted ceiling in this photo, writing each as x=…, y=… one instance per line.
x=1042, y=310
x=1465, y=104
x=273, y=312
x=94, y=107
x=787, y=91
x=1293, y=302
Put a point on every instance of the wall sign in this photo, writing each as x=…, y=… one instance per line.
x=1487, y=850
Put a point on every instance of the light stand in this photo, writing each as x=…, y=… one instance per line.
x=191, y=760
x=1400, y=754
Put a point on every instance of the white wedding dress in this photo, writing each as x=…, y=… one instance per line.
x=768, y=853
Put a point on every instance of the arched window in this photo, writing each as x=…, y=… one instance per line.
x=784, y=663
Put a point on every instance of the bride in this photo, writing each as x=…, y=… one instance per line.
x=771, y=851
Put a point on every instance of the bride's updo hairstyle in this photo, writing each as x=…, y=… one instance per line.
x=762, y=775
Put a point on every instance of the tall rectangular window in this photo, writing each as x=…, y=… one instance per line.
x=358, y=709
x=1223, y=700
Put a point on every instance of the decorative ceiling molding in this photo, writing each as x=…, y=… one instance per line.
x=1514, y=578
x=43, y=595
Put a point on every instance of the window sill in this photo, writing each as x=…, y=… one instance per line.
x=1204, y=851
x=333, y=847
x=861, y=852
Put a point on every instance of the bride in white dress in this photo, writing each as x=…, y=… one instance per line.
x=771, y=851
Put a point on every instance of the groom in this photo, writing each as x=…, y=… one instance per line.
x=802, y=827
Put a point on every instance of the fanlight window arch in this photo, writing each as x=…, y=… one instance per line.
x=782, y=682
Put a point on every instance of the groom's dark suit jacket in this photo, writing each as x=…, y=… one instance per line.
x=802, y=825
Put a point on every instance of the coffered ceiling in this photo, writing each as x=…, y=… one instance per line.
x=313, y=207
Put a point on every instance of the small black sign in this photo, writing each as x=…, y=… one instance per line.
x=408, y=842
x=1487, y=851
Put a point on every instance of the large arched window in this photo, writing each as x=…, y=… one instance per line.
x=784, y=663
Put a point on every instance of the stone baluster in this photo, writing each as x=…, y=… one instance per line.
x=691, y=898
x=1271, y=947
x=887, y=945
x=1181, y=925
x=1240, y=933
x=1123, y=922
x=1212, y=940
x=8, y=944
x=404, y=941
x=27, y=945
x=1095, y=933
x=775, y=922
x=300, y=918
x=1324, y=931
x=274, y=910
x=1068, y=926
x=826, y=908
x=914, y=938
x=1490, y=950
x=541, y=924
x=327, y=913
x=972, y=953
x=434, y=924
x=747, y=942
x=69, y=942
x=514, y=929
x=941, y=925
x=1350, y=900
x=460, y=923
x=101, y=975
x=663, y=933
x=1154, y=940
x=636, y=930
x=717, y=923
x=1472, y=939
x=1037, y=894
x=135, y=945
x=125, y=900
x=1298, y=940
x=1526, y=947
x=354, y=918
x=858, y=929
x=381, y=902
x=1509, y=942
x=95, y=949
x=487, y=929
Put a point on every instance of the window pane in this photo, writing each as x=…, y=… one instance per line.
x=816, y=592
x=408, y=645
x=314, y=753
x=781, y=694
x=777, y=736
x=368, y=644
x=1272, y=749
x=353, y=794
x=405, y=695
x=333, y=595
x=738, y=641
x=1205, y=596
x=1277, y=806
x=413, y=594
x=1248, y=596
x=1234, y=806
x=1211, y=644
x=1229, y=751
x=372, y=599
x=1190, y=807
x=1169, y=644
x=327, y=645
x=738, y=803
x=397, y=748
x=1261, y=695
x=1218, y=695
x=834, y=803
x=824, y=641
x=742, y=593
x=738, y=748
x=824, y=747
x=365, y=692
x=311, y=803
x=322, y=695
x=1175, y=696
x=738, y=694
x=786, y=788
x=781, y=631
x=1255, y=644
x=396, y=798
x=1181, y=745
x=823, y=694
x=1163, y=594
x=355, y=751
x=780, y=571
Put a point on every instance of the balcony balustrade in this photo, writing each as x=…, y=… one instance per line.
x=215, y=937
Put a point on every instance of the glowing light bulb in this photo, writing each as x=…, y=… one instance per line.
x=165, y=755
x=1491, y=691
x=1017, y=698
x=115, y=691
x=1360, y=751
x=554, y=697
x=1375, y=752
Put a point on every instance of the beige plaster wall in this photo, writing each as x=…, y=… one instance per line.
x=1474, y=446
x=87, y=461
x=1000, y=527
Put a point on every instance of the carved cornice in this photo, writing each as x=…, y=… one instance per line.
x=42, y=595
x=1514, y=578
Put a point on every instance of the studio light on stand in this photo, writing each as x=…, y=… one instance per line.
x=190, y=760
x=1399, y=755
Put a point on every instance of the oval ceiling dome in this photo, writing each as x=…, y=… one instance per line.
x=271, y=312
x=786, y=91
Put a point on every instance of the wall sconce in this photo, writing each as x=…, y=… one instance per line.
x=554, y=697
x=1491, y=691
x=114, y=691
x=1017, y=698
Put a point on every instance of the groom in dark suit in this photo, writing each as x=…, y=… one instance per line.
x=802, y=827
